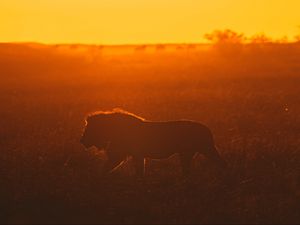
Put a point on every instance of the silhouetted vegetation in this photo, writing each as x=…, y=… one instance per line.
x=248, y=94
x=225, y=36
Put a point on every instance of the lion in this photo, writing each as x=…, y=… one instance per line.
x=123, y=134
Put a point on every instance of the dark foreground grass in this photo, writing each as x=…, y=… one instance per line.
x=48, y=177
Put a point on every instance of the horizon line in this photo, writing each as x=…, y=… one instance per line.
x=133, y=44
x=105, y=44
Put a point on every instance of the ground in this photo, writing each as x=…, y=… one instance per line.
x=247, y=95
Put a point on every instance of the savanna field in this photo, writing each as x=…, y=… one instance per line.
x=248, y=94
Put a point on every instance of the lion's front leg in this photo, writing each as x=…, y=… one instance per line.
x=113, y=161
x=139, y=166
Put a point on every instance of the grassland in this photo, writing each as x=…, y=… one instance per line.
x=247, y=94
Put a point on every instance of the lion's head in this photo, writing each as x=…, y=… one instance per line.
x=102, y=126
x=94, y=134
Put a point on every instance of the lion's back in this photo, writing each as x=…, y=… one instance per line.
x=180, y=127
x=170, y=136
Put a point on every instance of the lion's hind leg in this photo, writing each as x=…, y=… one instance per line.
x=186, y=162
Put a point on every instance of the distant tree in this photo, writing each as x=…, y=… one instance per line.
x=284, y=39
x=225, y=36
x=260, y=39
x=191, y=46
x=160, y=47
x=140, y=48
x=227, y=42
x=74, y=46
x=297, y=37
x=179, y=47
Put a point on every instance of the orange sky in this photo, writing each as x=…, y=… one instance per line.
x=142, y=21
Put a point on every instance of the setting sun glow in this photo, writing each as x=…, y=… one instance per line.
x=147, y=21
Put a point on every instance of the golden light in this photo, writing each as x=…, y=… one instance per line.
x=147, y=21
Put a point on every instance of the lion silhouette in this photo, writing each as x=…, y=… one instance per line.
x=124, y=134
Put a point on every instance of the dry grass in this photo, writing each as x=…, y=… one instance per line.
x=48, y=177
